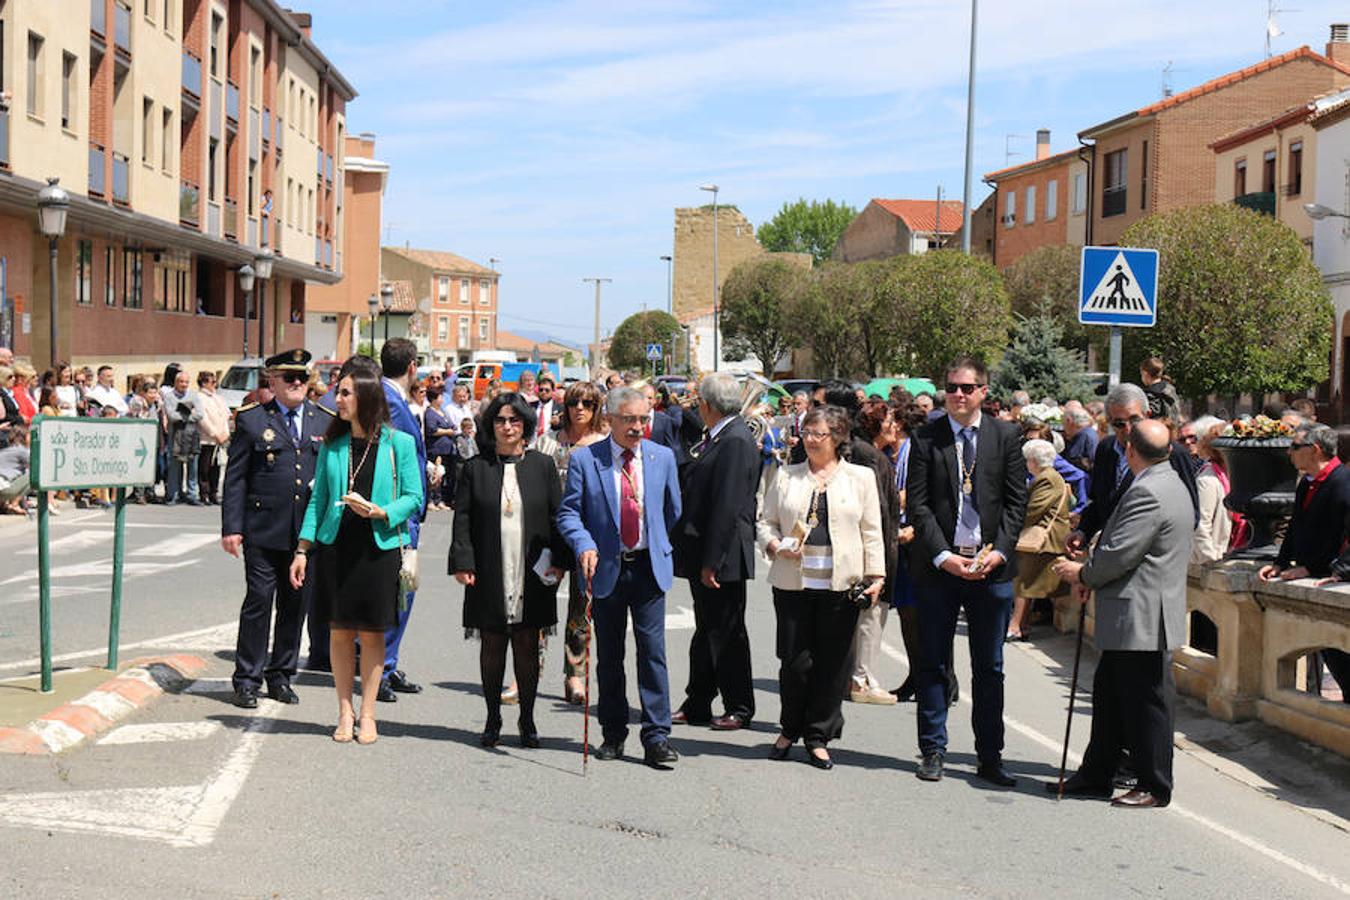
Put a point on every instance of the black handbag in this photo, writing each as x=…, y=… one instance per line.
x=856, y=594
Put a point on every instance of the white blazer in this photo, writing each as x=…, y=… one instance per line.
x=854, y=523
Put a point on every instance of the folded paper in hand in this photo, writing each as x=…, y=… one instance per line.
x=542, y=565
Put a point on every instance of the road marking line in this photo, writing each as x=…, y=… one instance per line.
x=220, y=793
x=165, y=641
x=177, y=545
x=162, y=732
x=102, y=567
x=1247, y=841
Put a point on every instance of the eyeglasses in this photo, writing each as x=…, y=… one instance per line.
x=588, y=404
x=1300, y=445
x=1189, y=439
x=505, y=421
x=816, y=435
x=294, y=377
x=965, y=388
x=1125, y=423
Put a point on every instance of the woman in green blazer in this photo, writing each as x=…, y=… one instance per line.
x=366, y=485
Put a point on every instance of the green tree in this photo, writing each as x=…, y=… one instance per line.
x=954, y=305
x=628, y=344
x=1038, y=363
x=807, y=227
x=754, y=299
x=1044, y=282
x=1241, y=307
x=817, y=318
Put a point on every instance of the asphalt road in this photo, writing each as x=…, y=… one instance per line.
x=195, y=798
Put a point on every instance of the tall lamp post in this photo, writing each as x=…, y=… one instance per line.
x=717, y=317
x=373, y=302
x=53, y=204
x=262, y=270
x=670, y=283
x=386, y=306
x=246, y=276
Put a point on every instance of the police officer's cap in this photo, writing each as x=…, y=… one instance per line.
x=289, y=361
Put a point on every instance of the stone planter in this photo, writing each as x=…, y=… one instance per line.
x=1263, y=481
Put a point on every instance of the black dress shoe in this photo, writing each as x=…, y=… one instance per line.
x=1139, y=800
x=610, y=750
x=1078, y=786
x=994, y=773
x=730, y=723
x=246, y=698
x=905, y=692
x=491, y=736
x=824, y=763
x=660, y=754
x=930, y=767
x=282, y=693
x=399, y=682
x=386, y=694
x=529, y=740
x=779, y=753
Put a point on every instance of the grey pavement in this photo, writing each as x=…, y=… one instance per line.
x=219, y=802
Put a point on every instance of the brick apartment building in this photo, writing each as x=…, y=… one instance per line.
x=191, y=135
x=1038, y=203
x=462, y=299
x=887, y=228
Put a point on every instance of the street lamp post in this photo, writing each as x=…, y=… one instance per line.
x=262, y=270
x=53, y=204
x=1317, y=212
x=387, y=305
x=717, y=317
x=670, y=283
x=246, y=276
x=374, y=304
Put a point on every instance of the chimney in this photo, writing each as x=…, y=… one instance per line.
x=303, y=20
x=1042, y=143
x=1338, y=48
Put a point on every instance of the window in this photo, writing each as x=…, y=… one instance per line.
x=1143, y=177
x=252, y=187
x=168, y=15
x=484, y=292
x=1079, y=193
x=1295, y=185
x=131, y=279
x=309, y=213
x=1051, y=199
x=442, y=329
x=213, y=150
x=1268, y=172
x=1113, y=185
x=482, y=329
x=463, y=331
x=35, y=74
x=290, y=202
x=147, y=128
x=1031, y=204
x=84, y=272
x=464, y=290
x=290, y=102
x=255, y=75
x=443, y=290
x=110, y=277
x=1239, y=178
x=217, y=60
x=166, y=140
x=1010, y=209
x=68, y=89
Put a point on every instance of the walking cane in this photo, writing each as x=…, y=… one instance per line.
x=1073, y=690
x=586, y=691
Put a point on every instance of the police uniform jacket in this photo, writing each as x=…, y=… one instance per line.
x=268, y=477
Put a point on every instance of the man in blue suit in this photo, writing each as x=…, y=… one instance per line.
x=621, y=502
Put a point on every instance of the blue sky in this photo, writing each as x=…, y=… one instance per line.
x=559, y=137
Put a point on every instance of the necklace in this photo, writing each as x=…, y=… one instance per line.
x=353, y=470
x=967, y=487
x=822, y=484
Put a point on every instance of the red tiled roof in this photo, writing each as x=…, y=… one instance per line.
x=440, y=260
x=518, y=344
x=1030, y=164
x=405, y=301
x=921, y=215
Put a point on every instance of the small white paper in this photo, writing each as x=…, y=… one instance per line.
x=543, y=564
x=789, y=544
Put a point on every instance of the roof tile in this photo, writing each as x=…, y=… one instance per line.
x=440, y=260
x=921, y=215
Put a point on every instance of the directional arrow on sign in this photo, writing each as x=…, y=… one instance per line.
x=141, y=452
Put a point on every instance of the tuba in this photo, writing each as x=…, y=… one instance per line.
x=758, y=415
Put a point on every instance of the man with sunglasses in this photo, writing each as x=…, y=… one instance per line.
x=967, y=497
x=267, y=483
x=1321, y=507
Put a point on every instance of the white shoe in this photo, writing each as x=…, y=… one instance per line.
x=872, y=695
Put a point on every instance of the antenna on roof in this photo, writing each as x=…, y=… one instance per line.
x=1273, y=30
x=1167, y=80
x=1008, y=151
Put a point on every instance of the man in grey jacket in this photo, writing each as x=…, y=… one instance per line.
x=1138, y=571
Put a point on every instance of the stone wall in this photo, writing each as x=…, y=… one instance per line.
x=693, y=275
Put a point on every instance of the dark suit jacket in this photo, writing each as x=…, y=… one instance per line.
x=12, y=415
x=476, y=545
x=719, y=487
x=865, y=454
x=666, y=432
x=934, y=486
x=1316, y=534
x=267, y=478
x=1104, y=495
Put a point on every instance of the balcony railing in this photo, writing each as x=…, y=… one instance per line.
x=280, y=132
x=265, y=229
x=328, y=161
x=192, y=74
x=96, y=179
x=318, y=251
x=217, y=102
x=213, y=219
x=266, y=125
x=1113, y=201
x=98, y=17
x=254, y=142
x=1258, y=201
x=231, y=218
x=189, y=203
x=232, y=101
x=251, y=232
x=318, y=166
x=4, y=136
x=122, y=23
x=121, y=179
x=328, y=254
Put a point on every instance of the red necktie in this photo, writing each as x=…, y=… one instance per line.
x=647, y=430
x=628, y=504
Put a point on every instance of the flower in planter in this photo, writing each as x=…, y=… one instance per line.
x=1258, y=427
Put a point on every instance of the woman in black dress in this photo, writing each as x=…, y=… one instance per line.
x=366, y=486
x=506, y=508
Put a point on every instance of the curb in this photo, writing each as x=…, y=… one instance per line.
x=101, y=708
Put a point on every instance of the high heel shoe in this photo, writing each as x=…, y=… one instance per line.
x=343, y=733
x=367, y=735
x=529, y=736
x=779, y=752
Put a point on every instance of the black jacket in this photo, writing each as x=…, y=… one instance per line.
x=934, y=486
x=718, y=487
x=267, y=477
x=476, y=545
x=666, y=432
x=864, y=453
x=1103, y=495
x=1316, y=534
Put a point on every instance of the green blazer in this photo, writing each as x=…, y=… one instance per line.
x=322, y=517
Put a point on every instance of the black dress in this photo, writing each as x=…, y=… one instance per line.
x=355, y=582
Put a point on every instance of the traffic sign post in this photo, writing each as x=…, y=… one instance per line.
x=76, y=453
x=1118, y=287
x=654, y=356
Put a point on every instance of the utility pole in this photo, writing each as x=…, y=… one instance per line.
x=970, y=133
x=595, y=347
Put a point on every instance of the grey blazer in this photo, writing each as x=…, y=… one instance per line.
x=1138, y=567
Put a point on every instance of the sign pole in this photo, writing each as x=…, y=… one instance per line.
x=44, y=594
x=119, y=550
x=1113, y=378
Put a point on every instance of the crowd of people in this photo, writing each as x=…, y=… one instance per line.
x=939, y=506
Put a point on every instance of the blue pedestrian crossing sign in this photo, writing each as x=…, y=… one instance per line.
x=654, y=351
x=1118, y=286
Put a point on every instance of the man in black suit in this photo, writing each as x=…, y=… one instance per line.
x=714, y=548
x=662, y=427
x=1321, y=508
x=967, y=497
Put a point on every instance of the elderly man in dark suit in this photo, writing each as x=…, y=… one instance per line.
x=968, y=493
x=1138, y=571
x=1321, y=508
x=715, y=549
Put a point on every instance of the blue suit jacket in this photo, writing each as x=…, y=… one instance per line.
x=403, y=420
x=589, y=516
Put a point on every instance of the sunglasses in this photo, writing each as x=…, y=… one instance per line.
x=967, y=388
x=1125, y=423
x=294, y=377
x=504, y=421
x=588, y=404
x=1189, y=439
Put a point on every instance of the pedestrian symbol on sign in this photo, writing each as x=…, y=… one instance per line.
x=654, y=352
x=1118, y=286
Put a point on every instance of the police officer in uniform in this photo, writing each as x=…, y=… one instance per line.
x=267, y=484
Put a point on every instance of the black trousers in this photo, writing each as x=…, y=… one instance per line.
x=719, y=653
x=815, y=643
x=1132, y=703
x=267, y=575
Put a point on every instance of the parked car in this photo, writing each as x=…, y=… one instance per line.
x=793, y=385
x=240, y=380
